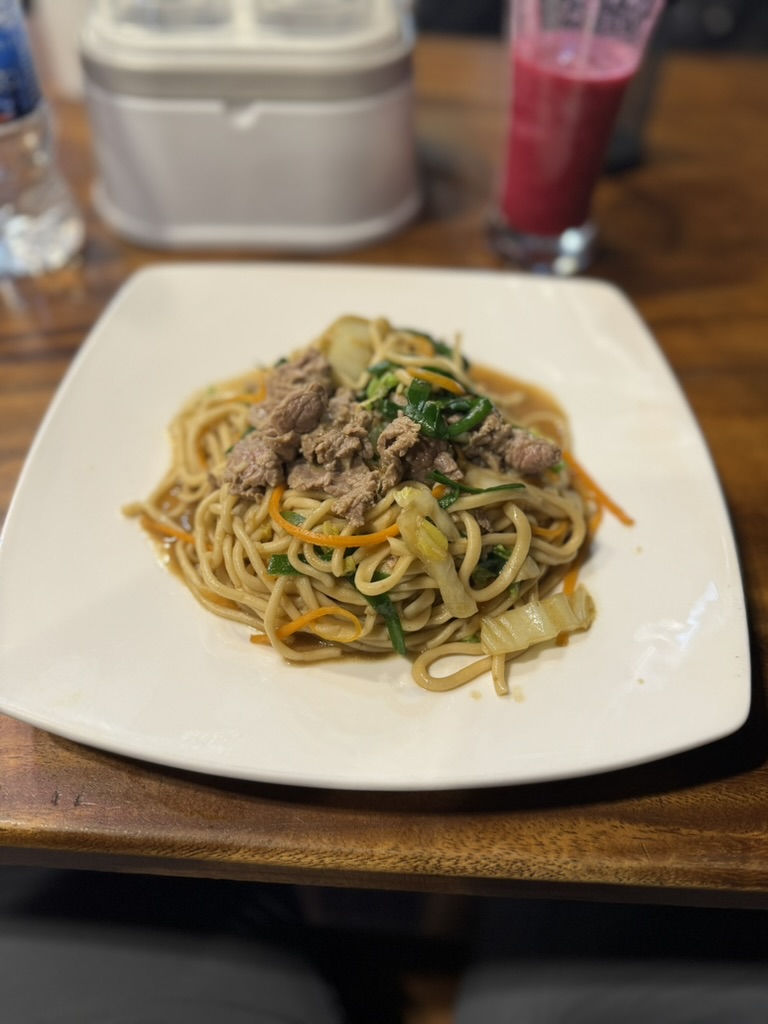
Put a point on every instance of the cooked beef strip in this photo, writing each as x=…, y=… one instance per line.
x=358, y=492
x=306, y=367
x=303, y=477
x=355, y=488
x=426, y=456
x=299, y=410
x=394, y=442
x=257, y=462
x=530, y=454
x=499, y=445
x=398, y=437
x=318, y=439
x=336, y=444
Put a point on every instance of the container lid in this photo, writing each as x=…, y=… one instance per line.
x=255, y=51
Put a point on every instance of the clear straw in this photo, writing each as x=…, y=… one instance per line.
x=527, y=22
x=588, y=27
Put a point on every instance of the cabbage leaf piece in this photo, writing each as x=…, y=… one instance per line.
x=420, y=525
x=348, y=346
x=519, y=628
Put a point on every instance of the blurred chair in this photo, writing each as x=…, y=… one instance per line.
x=591, y=992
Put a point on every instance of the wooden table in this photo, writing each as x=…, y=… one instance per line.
x=686, y=237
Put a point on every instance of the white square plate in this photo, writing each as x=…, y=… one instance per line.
x=100, y=644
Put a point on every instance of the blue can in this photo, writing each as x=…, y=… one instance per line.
x=19, y=88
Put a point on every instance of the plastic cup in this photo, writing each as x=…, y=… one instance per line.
x=570, y=63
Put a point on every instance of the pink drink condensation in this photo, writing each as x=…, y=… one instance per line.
x=564, y=107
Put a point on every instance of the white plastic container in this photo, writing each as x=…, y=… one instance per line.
x=278, y=127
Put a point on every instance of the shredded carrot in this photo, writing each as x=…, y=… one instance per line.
x=595, y=520
x=326, y=540
x=309, y=617
x=437, y=380
x=551, y=532
x=166, y=531
x=595, y=491
x=439, y=491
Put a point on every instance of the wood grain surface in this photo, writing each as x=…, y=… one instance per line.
x=685, y=236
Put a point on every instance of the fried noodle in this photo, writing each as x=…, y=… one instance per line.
x=435, y=565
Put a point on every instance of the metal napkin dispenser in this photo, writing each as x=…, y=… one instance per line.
x=283, y=124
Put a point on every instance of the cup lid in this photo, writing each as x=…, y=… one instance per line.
x=255, y=52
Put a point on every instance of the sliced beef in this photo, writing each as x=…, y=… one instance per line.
x=258, y=462
x=430, y=454
x=303, y=477
x=318, y=439
x=394, y=442
x=499, y=445
x=334, y=446
x=307, y=367
x=405, y=454
x=398, y=437
x=358, y=491
x=342, y=437
x=344, y=408
x=528, y=453
x=355, y=488
x=299, y=410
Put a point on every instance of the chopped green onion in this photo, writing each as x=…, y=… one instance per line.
x=461, y=403
x=418, y=391
x=379, y=387
x=481, y=406
x=457, y=485
x=490, y=566
x=389, y=410
x=385, y=607
x=378, y=368
x=294, y=518
x=429, y=417
x=449, y=498
x=280, y=565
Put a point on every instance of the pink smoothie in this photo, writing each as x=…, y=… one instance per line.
x=562, y=117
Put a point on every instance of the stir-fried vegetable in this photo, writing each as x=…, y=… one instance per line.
x=429, y=542
x=308, y=619
x=434, y=399
x=281, y=565
x=520, y=628
x=385, y=607
x=456, y=488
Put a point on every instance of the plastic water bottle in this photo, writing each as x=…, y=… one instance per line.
x=40, y=225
